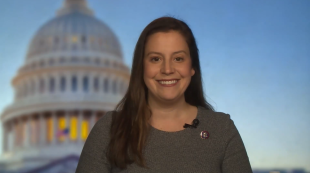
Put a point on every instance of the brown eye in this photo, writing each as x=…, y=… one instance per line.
x=179, y=59
x=155, y=59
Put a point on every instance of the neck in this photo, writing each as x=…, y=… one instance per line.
x=168, y=109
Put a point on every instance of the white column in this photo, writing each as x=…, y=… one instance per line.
x=20, y=132
x=91, y=79
x=16, y=134
x=42, y=130
x=46, y=85
x=35, y=131
x=67, y=116
x=68, y=79
x=79, y=125
x=55, y=127
x=36, y=86
x=5, y=137
x=11, y=136
x=27, y=137
x=57, y=83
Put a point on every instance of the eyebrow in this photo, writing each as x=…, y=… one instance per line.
x=180, y=51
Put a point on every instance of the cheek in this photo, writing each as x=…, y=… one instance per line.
x=148, y=76
x=186, y=70
x=149, y=71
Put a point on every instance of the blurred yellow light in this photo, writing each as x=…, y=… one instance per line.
x=74, y=39
x=62, y=126
x=73, y=128
x=84, y=132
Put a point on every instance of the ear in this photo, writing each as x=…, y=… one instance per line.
x=192, y=71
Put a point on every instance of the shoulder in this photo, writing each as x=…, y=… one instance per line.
x=218, y=123
x=92, y=158
x=99, y=136
x=214, y=119
x=102, y=127
x=106, y=119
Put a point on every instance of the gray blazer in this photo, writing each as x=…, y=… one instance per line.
x=215, y=146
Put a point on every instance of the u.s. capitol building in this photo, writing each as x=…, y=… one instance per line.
x=73, y=73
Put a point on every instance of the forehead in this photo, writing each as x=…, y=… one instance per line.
x=166, y=41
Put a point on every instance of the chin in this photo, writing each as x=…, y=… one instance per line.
x=169, y=98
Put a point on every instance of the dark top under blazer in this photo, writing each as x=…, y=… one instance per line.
x=181, y=151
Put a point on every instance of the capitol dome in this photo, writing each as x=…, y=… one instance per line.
x=72, y=75
x=74, y=30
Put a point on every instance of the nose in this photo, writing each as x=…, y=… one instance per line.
x=167, y=67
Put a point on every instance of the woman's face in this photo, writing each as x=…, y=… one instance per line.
x=167, y=66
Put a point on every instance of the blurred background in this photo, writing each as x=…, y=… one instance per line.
x=64, y=63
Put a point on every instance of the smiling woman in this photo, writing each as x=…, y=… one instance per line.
x=164, y=123
x=167, y=66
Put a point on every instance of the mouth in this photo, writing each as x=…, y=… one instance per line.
x=170, y=82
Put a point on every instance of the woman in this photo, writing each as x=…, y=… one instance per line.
x=164, y=123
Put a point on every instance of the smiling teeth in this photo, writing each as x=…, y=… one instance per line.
x=168, y=82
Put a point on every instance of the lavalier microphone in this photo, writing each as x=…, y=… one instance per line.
x=194, y=125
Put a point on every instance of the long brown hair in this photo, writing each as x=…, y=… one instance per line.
x=129, y=128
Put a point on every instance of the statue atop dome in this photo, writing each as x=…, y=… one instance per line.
x=75, y=6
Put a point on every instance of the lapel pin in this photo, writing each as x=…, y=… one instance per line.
x=204, y=135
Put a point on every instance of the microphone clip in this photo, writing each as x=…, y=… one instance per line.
x=194, y=125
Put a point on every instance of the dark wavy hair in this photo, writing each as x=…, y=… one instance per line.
x=130, y=128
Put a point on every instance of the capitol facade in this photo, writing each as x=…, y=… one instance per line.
x=72, y=75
